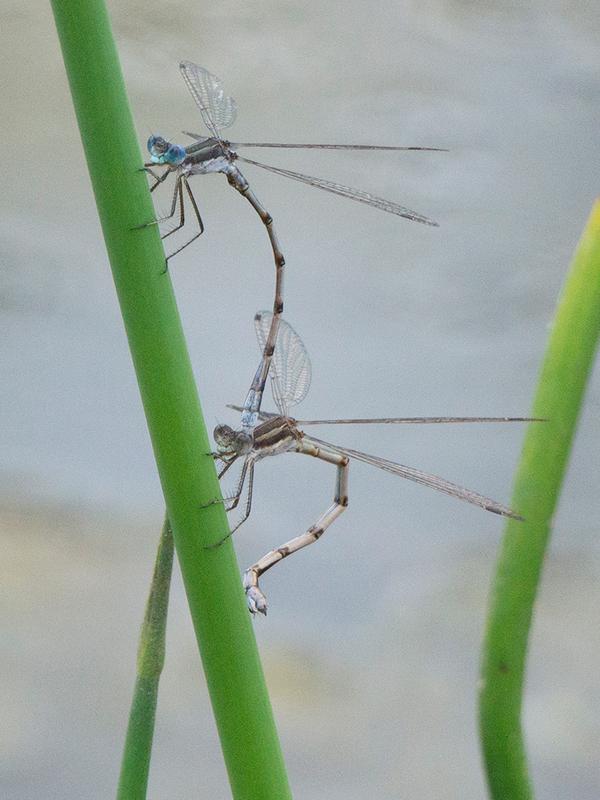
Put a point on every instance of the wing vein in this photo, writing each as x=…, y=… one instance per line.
x=424, y=479
x=346, y=191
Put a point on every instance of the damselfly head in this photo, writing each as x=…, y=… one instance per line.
x=229, y=441
x=164, y=152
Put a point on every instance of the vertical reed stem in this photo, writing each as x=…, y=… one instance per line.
x=565, y=372
x=211, y=576
x=135, y=766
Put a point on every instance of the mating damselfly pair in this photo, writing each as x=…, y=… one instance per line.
x=283, y=353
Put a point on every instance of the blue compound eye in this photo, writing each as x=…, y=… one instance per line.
x=174, y=155
x=163, y=152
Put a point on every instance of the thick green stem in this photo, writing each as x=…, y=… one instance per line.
x=181, y=448
x=566, y=369
x=135, y=766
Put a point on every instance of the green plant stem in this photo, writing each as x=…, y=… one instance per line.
x=211, y=576
x=135, y=766
x=566, y=369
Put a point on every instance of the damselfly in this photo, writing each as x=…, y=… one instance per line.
x=280, y=433
x=213, y=153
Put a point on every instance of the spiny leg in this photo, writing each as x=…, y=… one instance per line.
x=178, y=193
x=254, y=596
x=184, y=181
x=248, y=508
x=158, y=178
x=177, y=196
x=233, y=500
x=227, y=466
x=237, y=180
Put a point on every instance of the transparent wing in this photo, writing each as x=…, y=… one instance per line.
x=290, y=369
x=218, y=109
x=346, y=191
x=414, y=420
x=289, y=146
x=398, y=420
x=425, y=479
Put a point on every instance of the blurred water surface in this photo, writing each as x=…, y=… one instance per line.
x=371, y=646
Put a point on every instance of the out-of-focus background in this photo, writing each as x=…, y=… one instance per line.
x=372, y=643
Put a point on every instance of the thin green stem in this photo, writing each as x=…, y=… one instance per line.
x=135, y=766
x=211, y=576
x=565, y=372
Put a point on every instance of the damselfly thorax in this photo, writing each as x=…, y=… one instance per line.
x=276, y=435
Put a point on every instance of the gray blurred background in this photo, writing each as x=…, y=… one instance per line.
x=372, y=643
